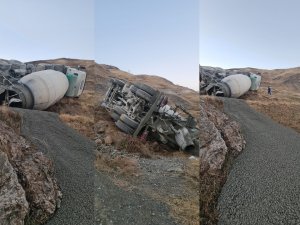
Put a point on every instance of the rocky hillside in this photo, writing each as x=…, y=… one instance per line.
x=29, y=192
x=221, y=141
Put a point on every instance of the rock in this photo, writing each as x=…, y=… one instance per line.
x=100, y=127
x=35, y=174
x=98, y=141
x=218, y=136
x=193, y=158
x=13, y=205
x=175, y=169
x=108, y=140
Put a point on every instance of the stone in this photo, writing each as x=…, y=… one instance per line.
x=13, y=205
x=218, y=136
x=98, y=141
x=108, y=140
x=35, y=174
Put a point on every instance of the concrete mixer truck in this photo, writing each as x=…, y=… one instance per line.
x=227, y=83
x=143, y=112
x=38, y=87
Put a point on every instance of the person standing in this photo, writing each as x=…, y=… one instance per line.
x=269, y=90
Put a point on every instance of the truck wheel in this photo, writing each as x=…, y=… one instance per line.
x=124, y=127
x=144, y=95
x=115, y=116
x=118, y=82
x=146, y=88
x=119, y=110
x=130, y=122
x=133, y=89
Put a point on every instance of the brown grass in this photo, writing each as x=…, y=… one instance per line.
x=285, y=113
x=282, y=106
x=120, y=164
x=11, y=118
x=82, y=124
x=78, y=113
x=186, y=209
x=134, y=145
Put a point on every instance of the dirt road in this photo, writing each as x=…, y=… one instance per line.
x=73, y=162
x=263, y=186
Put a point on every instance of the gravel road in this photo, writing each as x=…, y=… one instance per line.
x=117, y=206
x=263, y=186
x=73, y=157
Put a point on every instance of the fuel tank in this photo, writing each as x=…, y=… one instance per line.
x=39, y=90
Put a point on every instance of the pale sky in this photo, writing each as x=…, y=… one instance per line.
x=35, y=29
x=240, y=33
x=150, y=37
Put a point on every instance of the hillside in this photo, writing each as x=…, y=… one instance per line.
x=162, y=182
x=283, y=105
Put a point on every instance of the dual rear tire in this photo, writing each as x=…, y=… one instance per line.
x=126, y=124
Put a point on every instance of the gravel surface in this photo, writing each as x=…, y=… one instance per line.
x=263, y=186
x=73, y=157
x=117, y=206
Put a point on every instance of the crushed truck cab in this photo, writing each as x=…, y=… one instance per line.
x=142, y=111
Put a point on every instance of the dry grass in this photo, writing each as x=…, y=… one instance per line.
x=120, y=164
x=134, y=145
x=283, y=106
x=78, y=113
x=11, y=118
x=185, y=210
x=285, y=113
x=82, y=124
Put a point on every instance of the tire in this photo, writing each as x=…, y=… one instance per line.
x=146, y=88
x=144, y=95
x=119, y=110
x=115, y=116
x=130, y=122
x=124, y=127
x=118, y=82
x=133, y=89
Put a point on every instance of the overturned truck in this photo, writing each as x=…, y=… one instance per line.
x=227, y=83
x=38, y=86
x=142, y=111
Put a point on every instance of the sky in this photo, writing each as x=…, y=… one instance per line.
x=35, y=29
x=151, y=37
x=239, y=33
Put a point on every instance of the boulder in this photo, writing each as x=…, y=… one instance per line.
x=35, y=174
x=218, y=136
x=13, y=205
